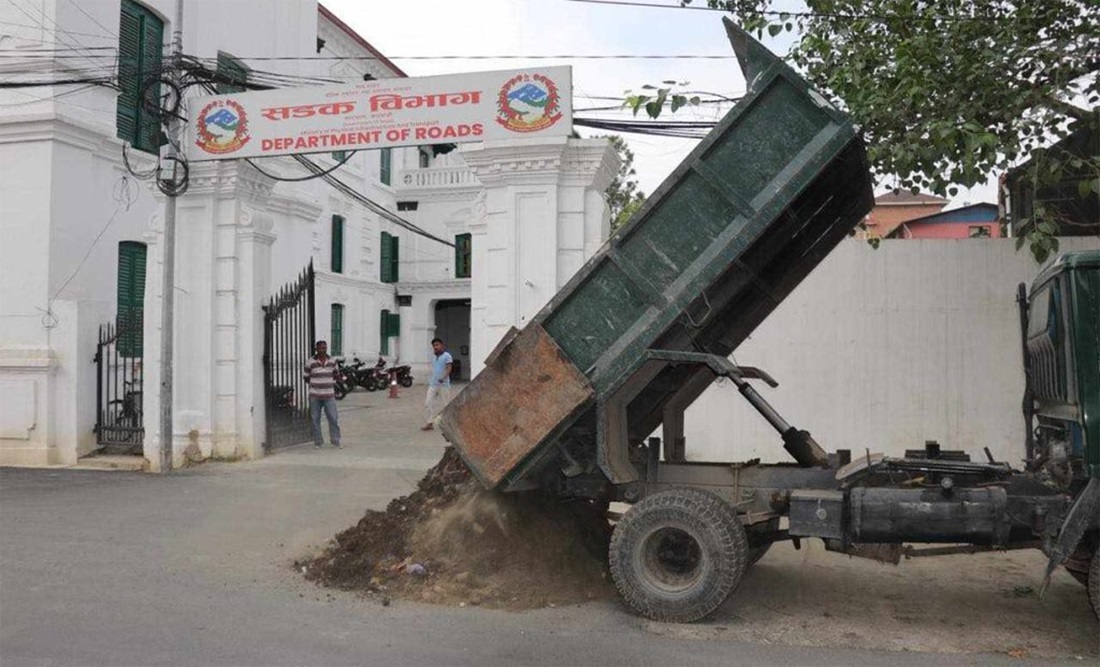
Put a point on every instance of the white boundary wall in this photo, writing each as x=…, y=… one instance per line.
x=884, y=349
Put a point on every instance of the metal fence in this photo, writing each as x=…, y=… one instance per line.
x=289, y=329
x=118, y=358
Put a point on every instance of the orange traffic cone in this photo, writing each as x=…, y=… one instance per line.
x=393, y=386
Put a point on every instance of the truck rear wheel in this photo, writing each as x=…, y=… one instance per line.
x=678, y=554
x=1094, y=583
x=1078, y=563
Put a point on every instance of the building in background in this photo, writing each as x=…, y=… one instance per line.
x=976, y=221
x=82, y=229
x=894, y=208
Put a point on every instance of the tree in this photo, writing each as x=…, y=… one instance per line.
x=949, y=92
x=623, y=195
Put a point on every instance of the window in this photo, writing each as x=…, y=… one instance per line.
x=339, y=156
x=337, y=244
x=979, y=232
x=231, y=76
x=425, y=158
x=131, y=297
x=390, y=258
x=141, y=34
x=336, y=345
x=389, y=325
x=385, y=169
x=463, y=255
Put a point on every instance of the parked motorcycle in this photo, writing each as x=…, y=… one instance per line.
x=341, y=383
x=375, y=378
x=356, y=374
x=403, y=374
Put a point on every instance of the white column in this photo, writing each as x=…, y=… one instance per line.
x=214, y=296
x=543, y=205
x=254, y=240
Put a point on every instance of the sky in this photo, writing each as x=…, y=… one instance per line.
x=567, y=29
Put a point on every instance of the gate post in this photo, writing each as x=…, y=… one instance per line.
x=255, y=239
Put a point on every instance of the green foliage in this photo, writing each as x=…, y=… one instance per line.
x=623, y=196
x=947, y=92
x=655, y=98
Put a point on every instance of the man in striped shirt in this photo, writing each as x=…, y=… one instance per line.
x=320, y=376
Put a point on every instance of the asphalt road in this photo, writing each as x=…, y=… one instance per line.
x=195, y=568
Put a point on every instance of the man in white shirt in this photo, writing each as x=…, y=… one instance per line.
x=439, y=387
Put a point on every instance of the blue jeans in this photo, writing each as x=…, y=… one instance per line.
x=329, y=406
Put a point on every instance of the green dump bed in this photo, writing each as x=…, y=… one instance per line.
x=737, y=226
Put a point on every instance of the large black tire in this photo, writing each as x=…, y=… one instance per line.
x=405, y=381
x=370, y=383
x=1079, y=561
x=1094, y=583
x=678, y=554
x=340, y=390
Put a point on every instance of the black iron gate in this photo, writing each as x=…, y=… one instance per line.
x=119, y=426
x=288, y=341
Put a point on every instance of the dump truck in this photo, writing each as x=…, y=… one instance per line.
x=570, y=404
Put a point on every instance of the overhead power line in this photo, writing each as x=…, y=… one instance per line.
x=800, y=14
x=678, y=129
x=512, y=56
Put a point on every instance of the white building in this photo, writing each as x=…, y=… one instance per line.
x=81, y=231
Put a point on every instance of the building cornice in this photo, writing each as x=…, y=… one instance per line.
x=562, y=160
x=27, y=360
x=297, y=203
x=229, y=179
x=516, y=160
x=70, y=130
x=452, y=287
x=591, y=162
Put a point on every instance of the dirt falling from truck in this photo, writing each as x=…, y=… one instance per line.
x=451, y=542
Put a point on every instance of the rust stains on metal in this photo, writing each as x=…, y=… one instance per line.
x=527, y=389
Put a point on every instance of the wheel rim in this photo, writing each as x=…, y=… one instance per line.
x=671, y=559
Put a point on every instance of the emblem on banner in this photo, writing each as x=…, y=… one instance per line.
x=528, y=103
x=222, y=127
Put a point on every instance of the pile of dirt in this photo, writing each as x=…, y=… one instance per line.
x=452, y=542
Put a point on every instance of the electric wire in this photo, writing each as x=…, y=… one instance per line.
x=123, y=197
x=800, y=14
x=42, y=27
x=297, y=179
x=58, y=30
x=370, y=204
x=110, y=34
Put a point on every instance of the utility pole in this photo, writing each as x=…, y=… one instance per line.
x=168, y=297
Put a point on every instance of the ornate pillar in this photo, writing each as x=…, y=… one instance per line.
x=217, y=269
x=542, y=215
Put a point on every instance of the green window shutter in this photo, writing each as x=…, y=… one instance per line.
x=129, y=69
x=139, y=58
x=383, y=333
x=151, y=41
x=337, y=244
x=337, y=343
x=131, y=297
x=463, y=255
x=385, y=263
x=395, y=264
x=390, y=258
x=231, y=76
x=339, y=156
x=385, y=166
x=393, y=324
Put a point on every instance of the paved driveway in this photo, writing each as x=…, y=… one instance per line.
x=122, y=568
